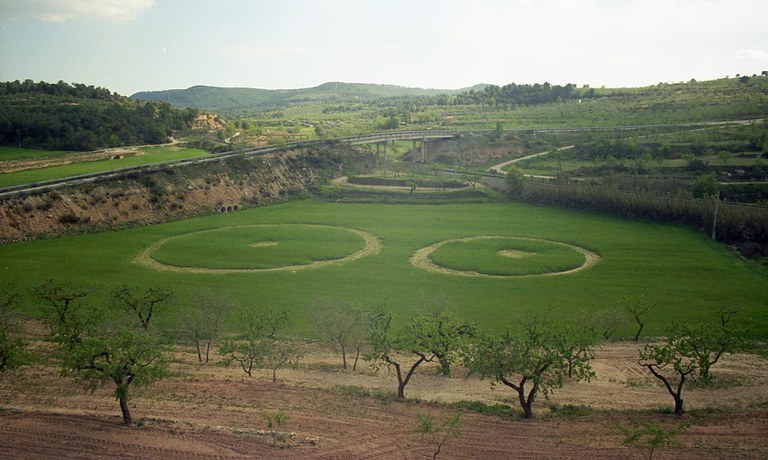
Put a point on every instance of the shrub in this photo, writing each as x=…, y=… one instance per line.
x=69, y=218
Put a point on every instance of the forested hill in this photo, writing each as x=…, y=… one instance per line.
x=63, y=116
x=223, y=100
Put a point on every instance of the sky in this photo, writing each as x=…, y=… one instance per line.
x=142, y=45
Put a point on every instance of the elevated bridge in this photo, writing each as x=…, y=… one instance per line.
x=401, y=135
x=416, y=136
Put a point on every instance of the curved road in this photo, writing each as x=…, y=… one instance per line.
x=499, y=168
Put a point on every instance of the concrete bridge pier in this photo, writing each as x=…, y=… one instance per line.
x=422, y=149
x=378, y=148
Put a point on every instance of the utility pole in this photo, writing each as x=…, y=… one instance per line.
x=714, y=221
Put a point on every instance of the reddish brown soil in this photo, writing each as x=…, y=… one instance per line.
x=206, y=411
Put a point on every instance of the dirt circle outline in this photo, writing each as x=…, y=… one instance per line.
x=144, y=257
x=420, y=258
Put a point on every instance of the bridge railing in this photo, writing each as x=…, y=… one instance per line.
x=401, y=135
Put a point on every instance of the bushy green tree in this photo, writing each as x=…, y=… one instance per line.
x=101, y=345
x=122, y=354
x=536, y=361
x=514, y=181
x=689, y=352
x=704, y=186
x=425, y=337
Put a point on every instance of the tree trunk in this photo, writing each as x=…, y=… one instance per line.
x=124, y=409
x=527, y=410
x=676, y=395
x=678, y=405
x=525, y=403
x=343, y=355
x=401, y=387
x=274, y=375
x=445, y=366
x=357, y=356
x=400, y=382
x=637, y=335
x=207, y=351
x=401, y=390
x=199, y=353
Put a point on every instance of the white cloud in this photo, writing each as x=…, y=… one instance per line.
x=63, y=10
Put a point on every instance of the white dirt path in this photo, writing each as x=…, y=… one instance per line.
x=499, y=168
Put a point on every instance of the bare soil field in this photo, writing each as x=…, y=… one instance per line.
x=207, y=411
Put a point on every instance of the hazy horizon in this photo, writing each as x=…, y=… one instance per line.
x=129, y=46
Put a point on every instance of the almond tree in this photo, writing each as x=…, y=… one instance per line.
x=341, y=324
x=280, y=354
x=203, y=320
x=638, y=309
x=385, y=348
x=424, y=337
x=536, y=361
x=62, y=305
x=689, y=352
x=438, y=433
x=124, y=355
x=259, y=333
x=100, y=346
x=13, y=347
x=142, y=304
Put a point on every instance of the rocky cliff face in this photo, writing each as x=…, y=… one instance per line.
x=140, y=199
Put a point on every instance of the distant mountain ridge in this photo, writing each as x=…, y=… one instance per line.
x=228, y=99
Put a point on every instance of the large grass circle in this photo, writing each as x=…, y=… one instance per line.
x=503, y=257
x=264, y=247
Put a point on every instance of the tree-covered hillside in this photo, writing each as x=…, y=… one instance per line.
x=62, y=116
x=230, y=100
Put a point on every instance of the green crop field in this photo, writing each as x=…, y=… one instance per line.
x=151, y=155
x=259, y=247
x=17, y=154
x=503, y=256
x=686, y=275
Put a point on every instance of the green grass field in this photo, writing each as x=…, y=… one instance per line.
x=258, y=247
x=15, y=154
x=151, y=155
x=686, y=275
x=507, y=257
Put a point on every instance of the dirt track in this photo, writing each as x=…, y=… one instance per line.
x=206, y=411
